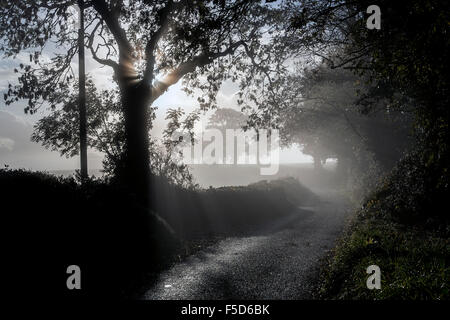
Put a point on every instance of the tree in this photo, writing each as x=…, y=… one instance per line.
x=196, y=40
x=223, y=119
x=324, y=117
x=409, y=58
x=58, y=131
x=405, y=63
x=226, y=118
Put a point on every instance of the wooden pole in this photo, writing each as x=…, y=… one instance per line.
x=82, y=96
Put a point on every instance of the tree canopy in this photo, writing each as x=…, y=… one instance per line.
x=149, y=46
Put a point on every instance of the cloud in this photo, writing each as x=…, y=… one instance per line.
x=6, y=143
x=18, y=151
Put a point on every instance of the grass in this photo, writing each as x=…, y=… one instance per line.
x=414, y=260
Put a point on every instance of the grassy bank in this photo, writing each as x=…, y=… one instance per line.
x=408, y=240
x=228, y=211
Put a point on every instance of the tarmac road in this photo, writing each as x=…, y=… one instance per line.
x=281, y=262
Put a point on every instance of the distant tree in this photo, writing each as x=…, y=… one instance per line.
x=325, y=118
x=405, y=61
x=227, y=118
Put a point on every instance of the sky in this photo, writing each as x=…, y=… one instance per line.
x=16, y=127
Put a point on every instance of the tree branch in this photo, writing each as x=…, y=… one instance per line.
x=90, y=45
x=154, y=39
x=159, y=87
x=112, y=21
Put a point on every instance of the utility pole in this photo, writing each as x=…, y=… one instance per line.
x=82, y=95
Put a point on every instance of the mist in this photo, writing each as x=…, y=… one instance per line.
x=225, y=150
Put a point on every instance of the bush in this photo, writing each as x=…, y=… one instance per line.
x=53, y=222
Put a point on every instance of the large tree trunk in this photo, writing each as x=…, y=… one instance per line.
x=152, y=240
x=157, y=237
x=135, y=171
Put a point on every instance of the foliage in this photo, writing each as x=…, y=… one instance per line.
x=140, y=40
x=403, y=66
x=149, y=46
x=402, y=228
x=226, y=118
x=166, y=164
x=94, y=223
x=59, y=131
x=413, y=258
x=322, y=116
x=185, y=35
x=411, y=58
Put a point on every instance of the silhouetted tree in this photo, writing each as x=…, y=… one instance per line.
x=58, y=131
x=203, y=42
x=325, y=118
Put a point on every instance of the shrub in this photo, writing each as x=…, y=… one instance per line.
x=53, y=222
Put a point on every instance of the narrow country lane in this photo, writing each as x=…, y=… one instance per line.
x=281, y=263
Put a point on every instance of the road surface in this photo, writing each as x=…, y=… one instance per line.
x=281, y=263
